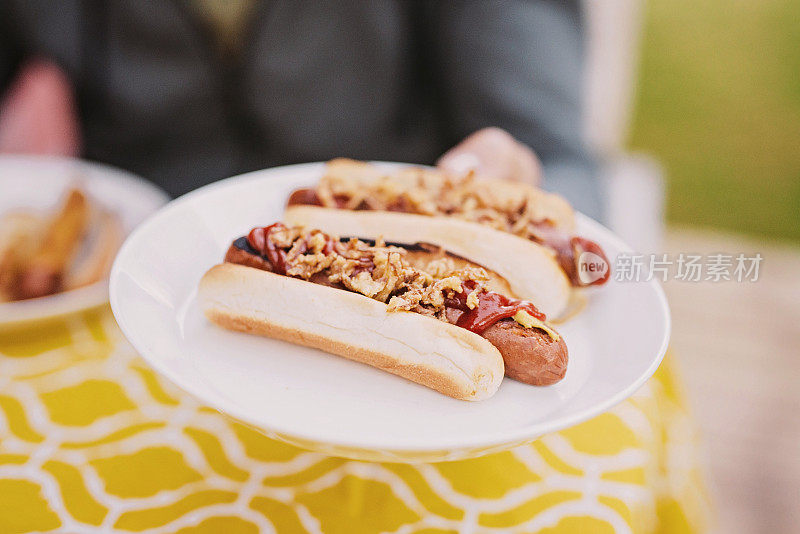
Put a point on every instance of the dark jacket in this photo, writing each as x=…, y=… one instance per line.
x=381, y=79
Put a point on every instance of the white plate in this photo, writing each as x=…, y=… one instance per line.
x=38, y=183
x=320, y=401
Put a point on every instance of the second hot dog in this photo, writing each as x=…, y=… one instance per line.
x=417, y=278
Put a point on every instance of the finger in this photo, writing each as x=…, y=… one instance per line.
x=492, y=153
x=38, y=113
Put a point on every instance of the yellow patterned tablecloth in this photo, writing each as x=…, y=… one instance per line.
x=91, y=440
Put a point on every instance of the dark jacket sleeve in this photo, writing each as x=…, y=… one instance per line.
x=518, y=64
x=9, y=48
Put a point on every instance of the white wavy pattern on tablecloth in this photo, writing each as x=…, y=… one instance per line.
x=25, y=379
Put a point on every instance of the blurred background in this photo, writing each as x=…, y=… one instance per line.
x=717, y=103
x=693, y=109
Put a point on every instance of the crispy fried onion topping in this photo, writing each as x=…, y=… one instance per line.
x=377, y=271
x=508, y=206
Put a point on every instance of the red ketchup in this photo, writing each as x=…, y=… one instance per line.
x=568, y=252
x=258, y=239
x=581, y=245
x=492, y=307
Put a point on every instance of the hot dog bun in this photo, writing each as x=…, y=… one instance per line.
x=506, y=194
x=436, y=354
x=530, y=269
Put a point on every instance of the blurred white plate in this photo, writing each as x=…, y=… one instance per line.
x=37, y=183
x=316, y=400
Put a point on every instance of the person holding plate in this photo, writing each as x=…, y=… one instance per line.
x=188, y=92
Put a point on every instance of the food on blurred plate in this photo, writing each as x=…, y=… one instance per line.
x=44, y=254
x=517, y=230
x=414, y=310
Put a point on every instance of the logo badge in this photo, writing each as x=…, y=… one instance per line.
x=591, y=267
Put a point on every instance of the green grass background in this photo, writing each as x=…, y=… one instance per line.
x=718, y=103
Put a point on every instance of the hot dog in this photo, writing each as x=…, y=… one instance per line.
x=41, y=255
x=411, y=309
x=45, y=269
x=538, y=227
